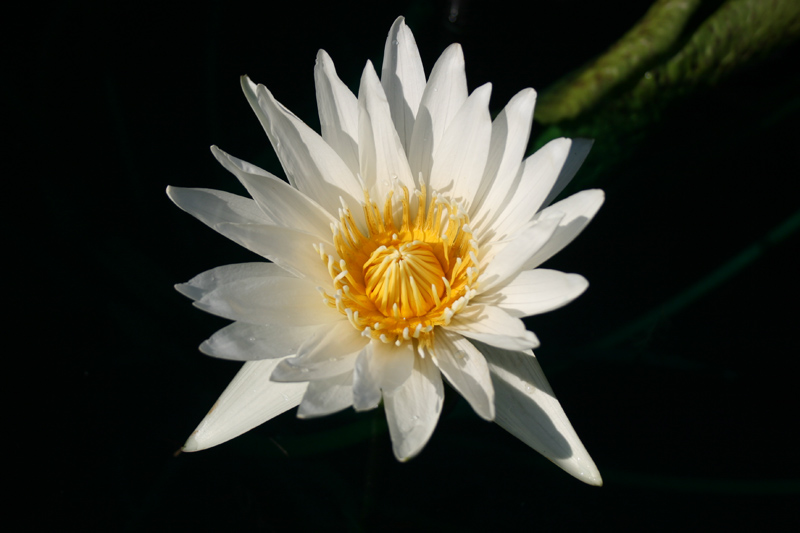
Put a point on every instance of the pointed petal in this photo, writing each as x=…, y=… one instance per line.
x=249, y=400
x=579, y=209
x=444, y=95
x=276, y=300
x=202, y=284
x=249, y=342
x=577, y=154
x=310, y=163
x=413, y=409
x=290, y=249
x=510, y=132
x=403, y=78
x=382, y=158
x=539, y=173
x=329, y=352
x=534, y=292
x=282, y=203
x=494, y=326
x=507, y=261
x=466, y=370
x=528, y=409
x=338, y=111
x=460, y=158
x=327, y=396
x=214, y=207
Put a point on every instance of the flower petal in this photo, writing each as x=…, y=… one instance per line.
x=494, y=326
x=579, y=209
x=203, y=283
x=382, y=158
x=403, y=79
x=290, y=249
x=460, y=158
x=280, y=201
x=327, y=396
x=444, y=95
x=539, y=173
x=338, y=111
x=528, y=409
x=250, y=342
x=413, y=409
x=508, y=259
x=330, y=351
x=509, y=140
x=534, y=292
x=214, y=207
x=466, y=370
x=366, y=390
x=310, y=163
x=278, y=300
x=577, y=155
x=249, y=400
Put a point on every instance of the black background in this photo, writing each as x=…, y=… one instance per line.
x=690, y=420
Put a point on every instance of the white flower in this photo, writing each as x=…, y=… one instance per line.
x=405, y=247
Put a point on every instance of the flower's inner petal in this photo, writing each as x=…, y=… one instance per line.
x=460, y=158
x=327, y=396
x=465, y=368
x=509, y=140
x=382, y=158
x=444, y=95
x=338, y=111
x=403, y=79
x=413, y=409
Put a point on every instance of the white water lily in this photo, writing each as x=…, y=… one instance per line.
x=405, y=246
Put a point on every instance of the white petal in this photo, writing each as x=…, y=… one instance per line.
x=366, y=390
x=389, y=366
x=249, y=400
x=382, y=158
x=534, y=292
x=579, y=209
x=504, y=263
x=290, y=249
x=403, y=78
x=460, y=158
x=465, y=368
x=577, y=154
x=528, y=409
x=310, y=163
x=268, y=300
x=327, y=396
x=444, y=95
x=202, y=284
x=494, y=326
x=249, y=342
x=338, y=111
x=329, y=352
x=509, y=140
x=284, y=204
x=413, y=409
x=539, y=173
x=215, y=207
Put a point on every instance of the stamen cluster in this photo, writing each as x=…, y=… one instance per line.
x=401, y=279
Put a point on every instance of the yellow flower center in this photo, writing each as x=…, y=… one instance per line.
x=396, y=281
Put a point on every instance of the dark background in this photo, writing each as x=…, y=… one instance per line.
x=690, y=417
